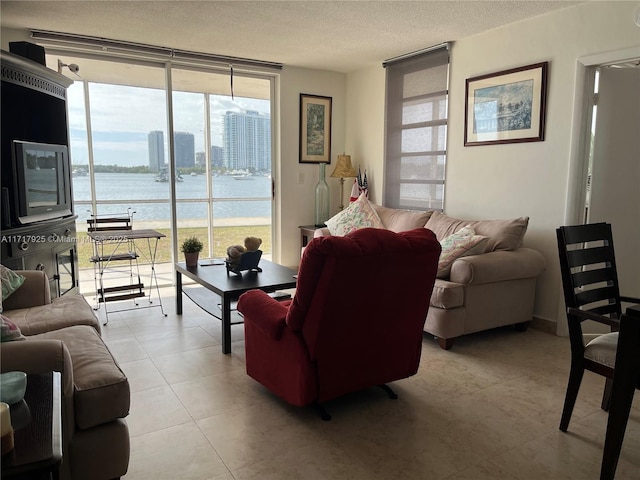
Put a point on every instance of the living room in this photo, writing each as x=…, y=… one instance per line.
x=514, y=172
x=488, y=182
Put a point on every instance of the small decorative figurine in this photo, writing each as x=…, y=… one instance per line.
x=245, y=257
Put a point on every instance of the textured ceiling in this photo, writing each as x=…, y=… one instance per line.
x=330, y=35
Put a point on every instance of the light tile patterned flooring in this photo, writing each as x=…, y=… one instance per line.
x=488, y=409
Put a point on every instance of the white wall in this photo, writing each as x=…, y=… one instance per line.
x=297, y=181
x=526, y=179
x=13, y=35
x=365, y=126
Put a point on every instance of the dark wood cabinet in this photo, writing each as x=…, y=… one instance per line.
x=48, y=246
x=34, y=109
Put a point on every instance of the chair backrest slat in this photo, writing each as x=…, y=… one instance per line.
x=596, y=295
x=589, y=277
x=586, y=233
x=106, y=224
x=589, y=256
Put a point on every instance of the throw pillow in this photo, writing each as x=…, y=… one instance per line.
x=357, y=215
x=398, y=220
x=463, y=243
x=503, y=234
x=11, y=281
x=9, y=331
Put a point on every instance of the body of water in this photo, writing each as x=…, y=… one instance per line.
x=133, y=187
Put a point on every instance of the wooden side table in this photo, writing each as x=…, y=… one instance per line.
x=306, y=234
x=37, y=423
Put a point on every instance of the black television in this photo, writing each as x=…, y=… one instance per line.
x=42, y=181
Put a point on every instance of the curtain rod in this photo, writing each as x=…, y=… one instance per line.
x=406, y=56
x=106, y=44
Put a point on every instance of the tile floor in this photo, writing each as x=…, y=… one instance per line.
x=488, y=409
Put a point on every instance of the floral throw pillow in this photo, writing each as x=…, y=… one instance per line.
x=9, y=331
x=463, y=243
x=11, y=281
x=357, y=215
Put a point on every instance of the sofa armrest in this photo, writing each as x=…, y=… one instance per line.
x=265, y=313
x=32, y=293
x=497, y=266
x=37, y=356
x=42, y=356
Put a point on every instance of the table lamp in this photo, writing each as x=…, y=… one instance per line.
x=343, y=170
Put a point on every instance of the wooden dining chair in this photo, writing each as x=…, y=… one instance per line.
x=592, y=292
x=626, y=379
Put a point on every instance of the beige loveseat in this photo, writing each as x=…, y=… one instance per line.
x=482, y=291
x=63, y=335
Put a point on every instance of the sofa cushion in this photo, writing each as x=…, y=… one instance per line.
x=401, y=220
x=357, y=215
x=503, y=234
x=62, y=312
x=447, y=294
x=101, y=388
x=463, y=243
x=10, y=280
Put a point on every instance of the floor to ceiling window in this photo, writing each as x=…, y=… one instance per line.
x=221, y=159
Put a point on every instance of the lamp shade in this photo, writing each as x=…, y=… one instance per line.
x=344, y=169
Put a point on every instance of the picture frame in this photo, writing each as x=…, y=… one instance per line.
x=506, y=107
x=315, y=128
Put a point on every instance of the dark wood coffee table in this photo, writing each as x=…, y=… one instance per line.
x=230, y=286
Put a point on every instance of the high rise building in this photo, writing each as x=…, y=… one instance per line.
x=247, y=141
x=156, y=150
x=185, y=149
x=217, y=156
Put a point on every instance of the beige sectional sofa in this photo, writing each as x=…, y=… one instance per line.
x=481, y=291
x=64, y=335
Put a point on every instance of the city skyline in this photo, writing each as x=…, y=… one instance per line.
x=122, y=117
x=246, y=138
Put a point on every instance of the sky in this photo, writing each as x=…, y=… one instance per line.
x=123, y=116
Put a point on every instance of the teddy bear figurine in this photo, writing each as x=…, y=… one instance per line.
x=252, y=243
x=245, y=257
x=234, y=252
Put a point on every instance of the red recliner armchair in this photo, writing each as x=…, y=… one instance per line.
x=356, y=320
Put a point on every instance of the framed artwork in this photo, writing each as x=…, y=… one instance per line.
x=506, y=107
x=315, y=129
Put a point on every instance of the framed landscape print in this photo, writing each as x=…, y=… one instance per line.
x=315, y=129
x=507, y=106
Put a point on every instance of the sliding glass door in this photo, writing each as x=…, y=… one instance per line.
x=218, y=175
x=223, y=192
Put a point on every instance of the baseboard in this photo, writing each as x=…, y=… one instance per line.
x=544, y=325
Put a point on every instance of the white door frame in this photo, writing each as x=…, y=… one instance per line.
x=580, y=141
